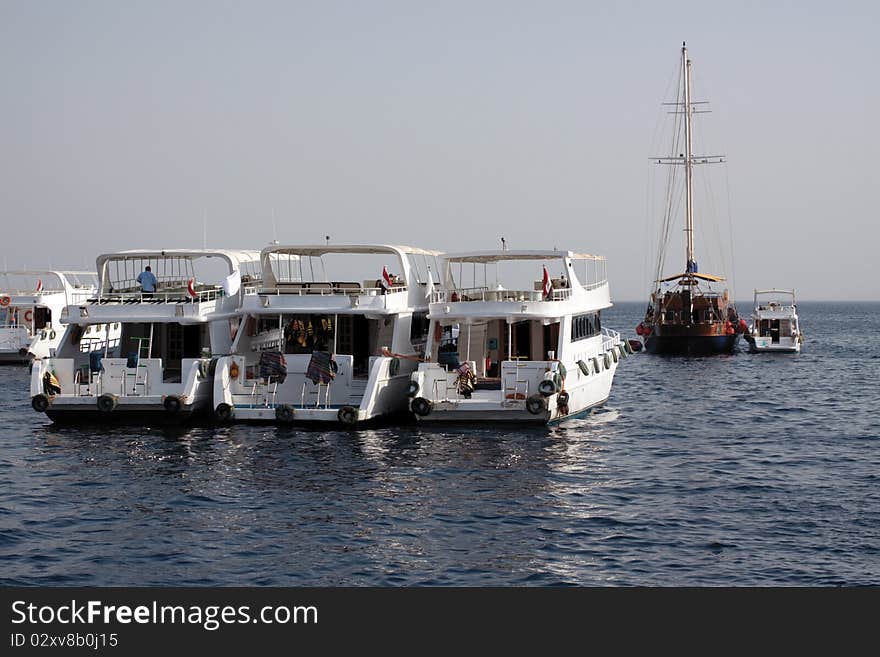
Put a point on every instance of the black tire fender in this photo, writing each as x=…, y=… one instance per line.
x=40, y=403
x=412, y=389
x=421, y=406
x=536, y=404
x=172, y=403
x=284, y=413
x=348, y=415
x=547, y=387
x=107, y=402
x=224, y=412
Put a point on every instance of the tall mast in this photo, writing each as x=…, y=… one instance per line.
x=689, y=156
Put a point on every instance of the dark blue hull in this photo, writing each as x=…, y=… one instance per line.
x=691, y=344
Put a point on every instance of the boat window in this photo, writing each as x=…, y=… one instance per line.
x=304, y=334
x=418, y=330
x=585, y=326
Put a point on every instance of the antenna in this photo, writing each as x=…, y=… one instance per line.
x=327, y=239
x=503, y=244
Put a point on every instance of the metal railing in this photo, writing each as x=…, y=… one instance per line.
x=322, y=289
x=610, y=338
x=486, y=294
x=317, y=387
x=175, y=296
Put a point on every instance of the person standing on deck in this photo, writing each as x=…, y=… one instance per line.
x=148, y=281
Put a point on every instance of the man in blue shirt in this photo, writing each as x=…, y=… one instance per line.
x=148, y=281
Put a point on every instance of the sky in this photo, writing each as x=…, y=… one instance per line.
x=445, y=125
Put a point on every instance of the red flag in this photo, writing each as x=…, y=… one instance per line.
x=547, y=286
x=386, y=279
x=39, y=285
x=190, y=287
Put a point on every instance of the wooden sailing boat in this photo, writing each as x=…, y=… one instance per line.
x=686, y=315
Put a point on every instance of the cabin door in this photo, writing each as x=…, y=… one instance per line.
x=551, y=340
x=360, y=341
x=192, y=341
x=522, y=340
x=42, y=317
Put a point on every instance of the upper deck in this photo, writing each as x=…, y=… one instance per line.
x=330, y=279
x=193, y=285
x=46, y=286
x=775, y=304
x=565, y=291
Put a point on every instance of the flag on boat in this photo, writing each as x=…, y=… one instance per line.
x=387, y=284
x=191, y=288
x=232, y=283
x=546, y=285
x=39, y=285
x=429, y=286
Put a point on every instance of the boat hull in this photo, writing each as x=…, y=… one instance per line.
x=691, y=344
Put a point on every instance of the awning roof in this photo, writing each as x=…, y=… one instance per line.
x=323, y=249
x=702, y=277
x=501, y=256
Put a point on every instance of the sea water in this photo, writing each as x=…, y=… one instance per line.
x=727, y=470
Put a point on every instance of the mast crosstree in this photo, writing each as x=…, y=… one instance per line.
x=688, y=159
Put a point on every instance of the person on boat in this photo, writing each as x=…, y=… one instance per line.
x=148, y=281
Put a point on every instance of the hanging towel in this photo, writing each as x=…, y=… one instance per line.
x=322, y=368
x=272, y=363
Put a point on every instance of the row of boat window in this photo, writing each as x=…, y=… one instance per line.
x=585, y=326
x=696, y=316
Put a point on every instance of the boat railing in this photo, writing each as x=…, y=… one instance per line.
x=31, y=293
x=776, y=307
x=323, y=289
x=171, y=296
x=610, y=339
x=487, y=294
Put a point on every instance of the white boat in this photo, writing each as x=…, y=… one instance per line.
x=329, y=337
x=31, y=303
x=160, y=367
x=775, y=326
x=530, y=353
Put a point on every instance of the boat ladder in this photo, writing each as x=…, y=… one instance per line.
x=520, y=388
x=141, y=373
x=314, y=391
x=83, y=389
x=269, y=392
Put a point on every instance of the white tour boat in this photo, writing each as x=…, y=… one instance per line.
x=160, y=364
x=775, y=325
x=524, y=355
x=319, y=343
x=31, y=303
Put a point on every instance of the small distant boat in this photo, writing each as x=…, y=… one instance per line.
x=31, y=307
x=775, y=326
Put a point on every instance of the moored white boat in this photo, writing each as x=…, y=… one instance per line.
x=160, y=365
x=328, y=337
x=31, y=303
x=775, y=325
x=533, y=353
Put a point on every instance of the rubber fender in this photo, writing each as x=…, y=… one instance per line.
x=536, y=404
x=284, y=413
x=421, y=406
